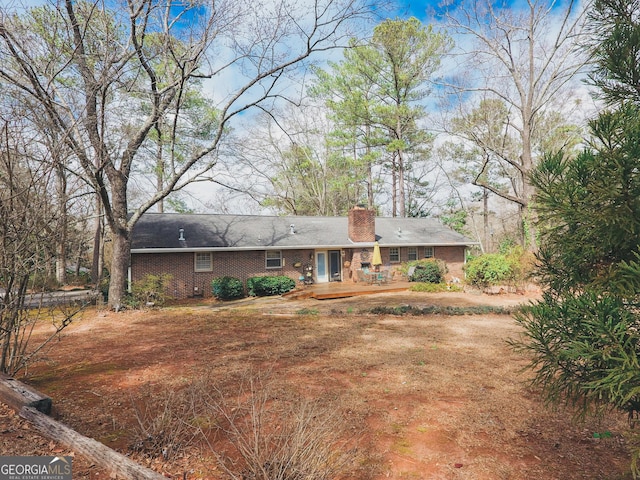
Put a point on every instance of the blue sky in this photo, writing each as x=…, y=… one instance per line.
x=403, y=9
x=399, y=8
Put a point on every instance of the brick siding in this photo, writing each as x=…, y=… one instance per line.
x=452, y=256
x=186, y=282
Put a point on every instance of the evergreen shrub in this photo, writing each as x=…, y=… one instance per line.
x=267, y=286
x=227, y=288
x=428, y=271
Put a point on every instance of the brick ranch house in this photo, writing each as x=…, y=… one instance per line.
x=196, y=248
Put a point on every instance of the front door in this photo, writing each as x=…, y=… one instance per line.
x=335, y=272
x=322, y=270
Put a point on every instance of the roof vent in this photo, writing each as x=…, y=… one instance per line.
x=181, y=237
x=292, y=230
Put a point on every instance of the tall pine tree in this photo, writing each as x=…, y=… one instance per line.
x=585, y=333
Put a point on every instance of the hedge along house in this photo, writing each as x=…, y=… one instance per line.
x=196, y=248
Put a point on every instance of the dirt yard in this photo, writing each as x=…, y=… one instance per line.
x=426, y=397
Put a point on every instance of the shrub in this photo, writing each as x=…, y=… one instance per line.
x=259, y=430
x=227, y=288
x=428, y=270
x=277, y=434
x=522, y=263
x=269, y=285
x=439, y=310
x=489, y=269
x=512, y=265
x=150, y=290
x=168, y=421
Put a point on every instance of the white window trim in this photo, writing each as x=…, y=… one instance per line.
x=266, y=259
x=195, y=262
x=432, y=250
x=415, y=253
x=397, y=260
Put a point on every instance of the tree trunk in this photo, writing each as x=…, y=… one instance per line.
x=401, y=190
x=159, y=168
x=400, y=167
x=527, y=215
x=120, y=257
x=394, y=186
x=96, y=267
x=61, y=234
x=370, y=202
x=488, y=248
x=16, y=395
x=61, y=250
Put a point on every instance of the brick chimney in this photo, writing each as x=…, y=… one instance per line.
x=362, y=225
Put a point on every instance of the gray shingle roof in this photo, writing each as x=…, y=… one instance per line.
x=161, y=231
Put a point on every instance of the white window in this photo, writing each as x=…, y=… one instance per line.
x=428, y=252
x=412, y=253
x=394, y=254
x=274, y=259
x=203, y=262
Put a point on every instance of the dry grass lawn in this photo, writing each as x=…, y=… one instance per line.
x=421, y=397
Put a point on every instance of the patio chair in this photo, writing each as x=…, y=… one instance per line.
x=363, y=277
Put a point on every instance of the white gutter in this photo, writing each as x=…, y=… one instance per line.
x=299, y=247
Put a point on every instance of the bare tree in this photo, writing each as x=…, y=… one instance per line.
x=105, y=77
x=28, y=220
x=292, y=166
x=526, y=58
